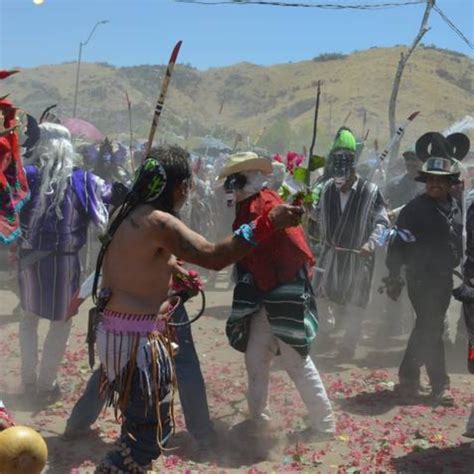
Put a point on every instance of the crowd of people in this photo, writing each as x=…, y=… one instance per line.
x=304, y=256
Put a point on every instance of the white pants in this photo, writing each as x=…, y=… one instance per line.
x=53, y=350
x=470, y=421
x=262, y=347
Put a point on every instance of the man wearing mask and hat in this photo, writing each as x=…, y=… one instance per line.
x=351, y=218
x=428, y=242
x=273, y=310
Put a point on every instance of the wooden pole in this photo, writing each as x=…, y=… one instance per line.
x=315, y=134
x=398, y=77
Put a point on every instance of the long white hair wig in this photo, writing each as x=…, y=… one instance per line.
x=54, y=154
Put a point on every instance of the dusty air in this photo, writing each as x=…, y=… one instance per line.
x=236, y=236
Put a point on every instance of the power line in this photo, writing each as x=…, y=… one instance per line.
x=334, y=6
x=453, y=26
x=329, y=6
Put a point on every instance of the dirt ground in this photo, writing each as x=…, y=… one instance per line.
x=376, y=432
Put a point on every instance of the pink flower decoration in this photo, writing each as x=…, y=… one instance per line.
x=293, y=160
x=187, y=283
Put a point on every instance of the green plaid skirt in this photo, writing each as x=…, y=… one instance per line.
x=291, y=311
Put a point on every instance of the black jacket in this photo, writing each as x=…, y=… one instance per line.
x=432, y=247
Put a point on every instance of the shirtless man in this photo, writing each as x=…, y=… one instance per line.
x=138, y=259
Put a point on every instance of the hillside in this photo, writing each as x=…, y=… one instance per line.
x=279, y=97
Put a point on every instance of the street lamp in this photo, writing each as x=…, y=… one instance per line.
x=81, y=44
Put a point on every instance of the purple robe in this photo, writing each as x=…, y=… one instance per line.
x=50, y=268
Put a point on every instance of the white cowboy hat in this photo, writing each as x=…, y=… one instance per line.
x=245, y=161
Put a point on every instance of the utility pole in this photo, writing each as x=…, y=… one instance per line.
x=78, y=68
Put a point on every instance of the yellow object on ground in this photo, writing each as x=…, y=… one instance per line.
x=22, y=450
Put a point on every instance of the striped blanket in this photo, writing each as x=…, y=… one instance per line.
x=291, y=311
x=347, y=276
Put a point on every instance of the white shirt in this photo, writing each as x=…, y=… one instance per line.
x=381, y=218
x=344, y=196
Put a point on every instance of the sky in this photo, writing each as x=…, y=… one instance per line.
x=144, y=31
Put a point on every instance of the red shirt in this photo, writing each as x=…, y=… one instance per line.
x=278, y=259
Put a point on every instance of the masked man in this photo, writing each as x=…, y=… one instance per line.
x=64, y=201
x=427, y=241
x=351, y=218
x=273, y=311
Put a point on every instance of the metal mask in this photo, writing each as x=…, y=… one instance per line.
x=343, y=164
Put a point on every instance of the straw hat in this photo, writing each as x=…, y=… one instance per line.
x=245, y=161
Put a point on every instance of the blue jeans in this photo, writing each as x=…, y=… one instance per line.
x=191, y=388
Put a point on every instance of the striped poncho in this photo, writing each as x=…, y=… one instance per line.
x=344, y=276
x=290, y=308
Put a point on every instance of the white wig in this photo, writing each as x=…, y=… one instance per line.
x=54, y=154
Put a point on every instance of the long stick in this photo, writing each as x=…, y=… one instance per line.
x=398, y=77
x=129, y=107
x=397, y=136
x=364, y=121
x=343, y=249
x=259, y=136
x=393, y=142
x=162, y=96
x=238, y=139
x=213, y=132
x=315, y=133
x=347, y=117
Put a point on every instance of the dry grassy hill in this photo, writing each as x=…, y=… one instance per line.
x=437, y=82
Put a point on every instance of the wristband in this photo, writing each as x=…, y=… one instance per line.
x=246, y=232
x=256, y=231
